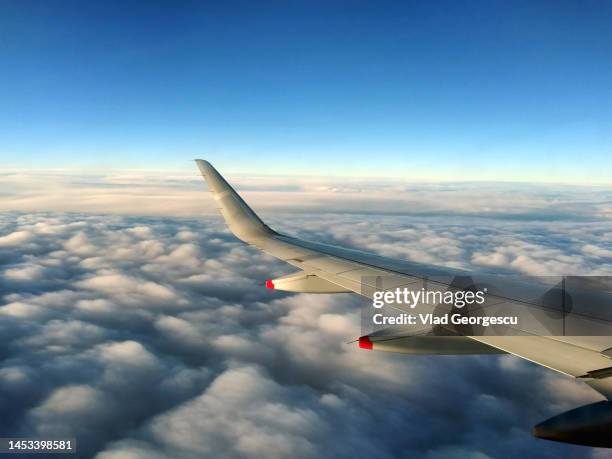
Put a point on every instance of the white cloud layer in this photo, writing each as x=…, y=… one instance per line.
x=154, y=338
x=184, y=195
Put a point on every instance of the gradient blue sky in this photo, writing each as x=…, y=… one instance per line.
x=481, y=89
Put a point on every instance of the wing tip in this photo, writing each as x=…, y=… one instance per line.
x=203, y=165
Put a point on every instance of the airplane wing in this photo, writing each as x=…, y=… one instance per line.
x=328, y=269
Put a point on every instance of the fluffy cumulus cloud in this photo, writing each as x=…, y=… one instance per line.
x=154, y=338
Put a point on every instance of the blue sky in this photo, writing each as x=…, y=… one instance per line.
x=442, y=90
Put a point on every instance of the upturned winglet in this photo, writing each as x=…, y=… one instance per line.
x=239, y=217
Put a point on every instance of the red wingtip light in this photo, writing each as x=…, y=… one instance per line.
x=269, y=283
x=365, y=343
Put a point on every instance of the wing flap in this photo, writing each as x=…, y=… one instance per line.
x=563, y=357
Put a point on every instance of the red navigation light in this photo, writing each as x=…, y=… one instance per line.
x=269, y=283
x=365, y=343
